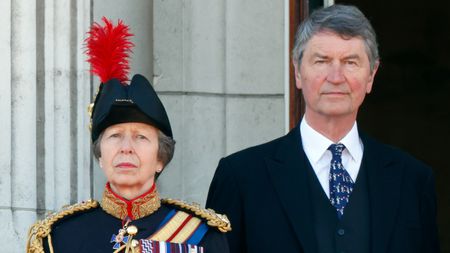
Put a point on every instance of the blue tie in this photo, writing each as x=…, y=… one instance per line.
x=341, y=184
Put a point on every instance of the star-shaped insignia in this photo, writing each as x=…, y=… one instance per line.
x=119, y=239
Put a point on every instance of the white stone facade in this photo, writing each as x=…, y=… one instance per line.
x=218, y=66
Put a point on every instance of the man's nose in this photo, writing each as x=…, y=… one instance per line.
x=335, y=74
x=126, y=146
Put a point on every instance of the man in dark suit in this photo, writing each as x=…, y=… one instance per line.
x=325, y=186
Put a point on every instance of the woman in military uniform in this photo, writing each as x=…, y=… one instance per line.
x=133, y=142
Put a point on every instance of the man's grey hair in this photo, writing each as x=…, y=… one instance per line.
x=166, y=148
x=344, y=20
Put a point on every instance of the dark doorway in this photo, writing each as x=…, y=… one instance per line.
x=409, y=106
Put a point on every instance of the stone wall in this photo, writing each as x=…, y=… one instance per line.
x=218, y=66
x=45, y=151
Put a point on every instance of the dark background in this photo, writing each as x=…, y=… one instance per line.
x=409, y=104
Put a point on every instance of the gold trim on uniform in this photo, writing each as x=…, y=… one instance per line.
x=177, y=229
x=140, y=207
x=41, y=229
x=220, y=221
x=169, y=229
x=190, y=227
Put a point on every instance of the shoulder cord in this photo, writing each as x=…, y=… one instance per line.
x=42, y=229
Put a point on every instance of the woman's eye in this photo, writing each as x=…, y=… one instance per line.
x=115, y=135
x=141, y=137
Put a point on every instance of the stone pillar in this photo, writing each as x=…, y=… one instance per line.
x=62, y=140
x=255, y=73
x=217, y=65
x=44, y=84
x=85, y=95
x=67, y=92
x=219, y=68
x=5, y=135
x=23, y=117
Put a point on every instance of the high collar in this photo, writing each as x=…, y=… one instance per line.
x=136, y=208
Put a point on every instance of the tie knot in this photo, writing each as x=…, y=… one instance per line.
x=336, y=149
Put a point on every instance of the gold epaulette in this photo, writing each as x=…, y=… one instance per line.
x=213, y=219
x=41, y=229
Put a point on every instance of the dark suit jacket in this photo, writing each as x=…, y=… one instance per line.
x=264, y=191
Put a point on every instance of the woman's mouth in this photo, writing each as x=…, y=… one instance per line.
x=126, y=165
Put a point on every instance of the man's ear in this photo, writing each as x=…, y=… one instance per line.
x=298, y=79
x=372, y=77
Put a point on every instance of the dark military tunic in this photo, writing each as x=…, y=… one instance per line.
x=92, y=230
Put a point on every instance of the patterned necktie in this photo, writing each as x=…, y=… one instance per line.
x=341, y=184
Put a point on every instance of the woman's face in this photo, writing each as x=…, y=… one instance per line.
x=129, y=156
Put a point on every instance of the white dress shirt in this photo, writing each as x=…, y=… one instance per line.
x=316, y=146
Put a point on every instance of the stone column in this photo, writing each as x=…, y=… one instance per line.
x=62, y=140
x=219, y=67
x=255, y=73
x=85, y=95
x=23, y=118
x=45, y=84
x=5, y=134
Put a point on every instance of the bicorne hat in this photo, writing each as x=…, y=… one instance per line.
x=108, y=49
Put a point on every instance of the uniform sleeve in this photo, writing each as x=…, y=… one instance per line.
x=428, y=216
x=224, y=197
x=215, y=242
x=45, y=244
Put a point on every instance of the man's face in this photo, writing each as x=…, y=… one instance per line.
x=334, y=76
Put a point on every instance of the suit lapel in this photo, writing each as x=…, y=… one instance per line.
x=287, y=172
x=385, y=180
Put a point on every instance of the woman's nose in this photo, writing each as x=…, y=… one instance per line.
x=126, y=146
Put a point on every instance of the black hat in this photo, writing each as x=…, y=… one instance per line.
x=116, y=101
x=137, y=102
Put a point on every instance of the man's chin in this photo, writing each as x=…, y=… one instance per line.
x=336, y=112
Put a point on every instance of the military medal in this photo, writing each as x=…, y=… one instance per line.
x=119, y=238
x=124, y=238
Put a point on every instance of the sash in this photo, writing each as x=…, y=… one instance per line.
x=179, y=232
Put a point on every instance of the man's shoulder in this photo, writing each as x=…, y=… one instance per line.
x=257, y=152
x=393, y=154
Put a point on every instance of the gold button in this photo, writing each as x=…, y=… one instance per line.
x=132, y=230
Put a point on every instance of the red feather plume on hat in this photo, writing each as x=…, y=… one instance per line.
x=108, y=49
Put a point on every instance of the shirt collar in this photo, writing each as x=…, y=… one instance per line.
x=353, y=143
x=317, y=144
